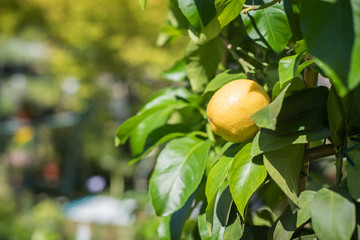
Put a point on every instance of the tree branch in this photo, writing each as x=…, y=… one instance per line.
x=249, y=8
x=319, y=152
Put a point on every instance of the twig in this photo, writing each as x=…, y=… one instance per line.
x=258, y=7
x=319, y=152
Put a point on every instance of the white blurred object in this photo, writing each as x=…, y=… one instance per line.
x=102, y=210
x=83, y=232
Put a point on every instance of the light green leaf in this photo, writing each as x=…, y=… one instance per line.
x=333, y=216
x=178, y=172
x=245, y=176
x=353, y=170
x=228, y=10
x=202, y=227
x=268, y=27
x=206, y=34
x=142, y=4
x=304, y=203
x=288, y=68
x=284, y=166
x=176, y=73
x=202, y=62
x=234, y=230
x=267, y=116
x=223, y=78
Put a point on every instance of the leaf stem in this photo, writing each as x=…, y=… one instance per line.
x=258, y=7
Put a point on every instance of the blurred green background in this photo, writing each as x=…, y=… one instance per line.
x=70, y=73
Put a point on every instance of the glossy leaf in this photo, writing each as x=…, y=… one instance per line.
x=284, y=227
x=206, y=34
x=353, y=170
x=125, y=130
x=202, y=62
x=223, y=78
x=160, y=136
x=245, y=176
x=304, y=203
x=319, y=28
x=234, y=230
x=288, y=67
x=178, y=172
x=269, y=27
x=266, y=141
x=177, y=72
x=284, y=166
x=228, y=10
x=267, y=116
x=333, y=216
x=199, y=13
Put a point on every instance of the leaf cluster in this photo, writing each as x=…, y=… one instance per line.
x=306, y=55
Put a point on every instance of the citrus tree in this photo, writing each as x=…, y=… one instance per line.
x=305, y=56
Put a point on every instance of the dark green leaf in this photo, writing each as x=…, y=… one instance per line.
x=304, y=203
x=284, y=227
x=255, y=233
x=228, y=10
x=333, y=216
x=267, y=116
x=245, y=176
x=353, y=170
x=198, y=12
x=307, y=237
x=329, y=36
x=202, y=62
x=177, y=72
x=223, y=78
x=178, y=172
x=284, y=166
x=266, y=141
x=269, y=27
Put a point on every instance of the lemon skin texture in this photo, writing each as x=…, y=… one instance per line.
x=231, y=107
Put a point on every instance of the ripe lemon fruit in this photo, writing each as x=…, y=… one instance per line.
x=231, y=107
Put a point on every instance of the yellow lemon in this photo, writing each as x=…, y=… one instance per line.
x=231, y=107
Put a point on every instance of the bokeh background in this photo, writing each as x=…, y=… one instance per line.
x=70, y=73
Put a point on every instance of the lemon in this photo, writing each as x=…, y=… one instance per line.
x=231, y=107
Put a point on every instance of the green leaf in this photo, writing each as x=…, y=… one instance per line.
x=290, y=67
x=304, y=203
x=159, y=136
x=267, y=116
x=284, y=166
x=353, y=170
x=202, y=62
x=319, y=28
x=223, y=78
x=206, y=34
x=142, y=4
x=284, y=227
x=333, y=216
x=307, y=237
x=263, y=217
x=245, y=177
x=141, y=132
x=266, y=141
x=125, y=130
x=234, y=230
x=269, y=27
x=177, y=72
x=178, y=172
x=255, y=233
x=198, y=12
x=202, y=227
x=228, y=10
x=354, y=73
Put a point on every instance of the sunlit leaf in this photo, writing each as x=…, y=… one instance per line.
x=304, y=203
x=178, y=172
x=228, y=10
x=333, y=216
x=223, y=78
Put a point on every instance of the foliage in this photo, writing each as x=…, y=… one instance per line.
x=205, y=187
